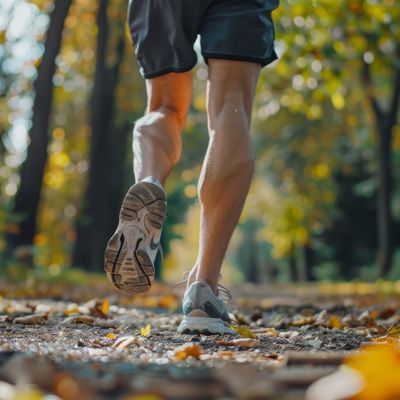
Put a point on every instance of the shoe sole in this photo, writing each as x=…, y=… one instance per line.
x=129, y=260
x=204, y=325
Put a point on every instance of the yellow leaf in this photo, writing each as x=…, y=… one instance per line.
x=243, y=331
x=394, y=332
x=335, y=322
x=379, y=365
x=168, y=301
x=188, y=350
x=111, y=336
x=71, y=310
x=145, y=331
x=105, y=306
x=143, y=397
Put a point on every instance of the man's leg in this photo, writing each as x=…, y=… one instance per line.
x=157, y=142
x=228, y=165
x=131, y=251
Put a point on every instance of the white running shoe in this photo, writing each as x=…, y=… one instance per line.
x=131, y=251
x=203, y=311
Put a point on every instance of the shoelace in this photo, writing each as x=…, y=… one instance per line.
x=223, y=292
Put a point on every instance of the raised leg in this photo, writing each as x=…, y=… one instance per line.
x=157, y=142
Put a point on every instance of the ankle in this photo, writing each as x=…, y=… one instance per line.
x=196, y=276
x=152, y=179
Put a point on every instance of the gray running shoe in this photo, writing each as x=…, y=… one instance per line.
x=131, y=251
x=203, y=311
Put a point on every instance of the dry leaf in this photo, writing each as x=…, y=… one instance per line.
x=243, y=331
x=105, y=306
x=143, y=396
x=387, y=313
x=225, y=354
x=238, y=342
x=79, y=319
x=111, y=336
x=71, y=310
x=335, y=322
x=145, y=331
x=124, y=342
x=35, y=319
x=188, y=350
x=303, y=321
x=99, y=308
x=168, y=301
x=241, y=319
x=394, y=332
x=388, y=335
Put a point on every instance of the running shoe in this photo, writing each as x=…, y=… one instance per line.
x=131, y=251
x=204, y=312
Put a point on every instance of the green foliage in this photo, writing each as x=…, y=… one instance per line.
x=312, y=125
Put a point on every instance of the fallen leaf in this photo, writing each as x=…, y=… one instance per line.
x=71, y=310
x=387, y=313
x=334, y=322
x=188, y=350
x=124, y=342
x=35, y=319
x=145, y=331
x=105, y=306
x=379, y=365
x=168, y=301
x=238, y=342
x=394, y=332
x=241, y=319
x=79, y=319
x=226, y=354
x=111, y=336
x=143, y=397
x=303, y=321
x=243, y=331
x=388, y=335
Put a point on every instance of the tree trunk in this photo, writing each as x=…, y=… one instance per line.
x=385, y=219
x=385, y=122
x=101, y=205
x=309, y=263
x=28, y=194
x=293, y=271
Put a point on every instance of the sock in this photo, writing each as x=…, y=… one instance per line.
x=153, y=180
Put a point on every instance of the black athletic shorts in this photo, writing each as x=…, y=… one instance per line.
x=164, y=31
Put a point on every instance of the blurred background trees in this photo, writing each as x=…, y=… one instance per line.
x=325, y=200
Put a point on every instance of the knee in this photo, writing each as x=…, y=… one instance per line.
x=231, y=111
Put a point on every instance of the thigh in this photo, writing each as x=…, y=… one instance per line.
x=172, y=92
x=231, y=84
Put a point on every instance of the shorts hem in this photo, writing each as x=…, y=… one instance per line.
x=222, y=56
x=149, y=75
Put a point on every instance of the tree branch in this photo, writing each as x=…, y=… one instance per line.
x=394, y=104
